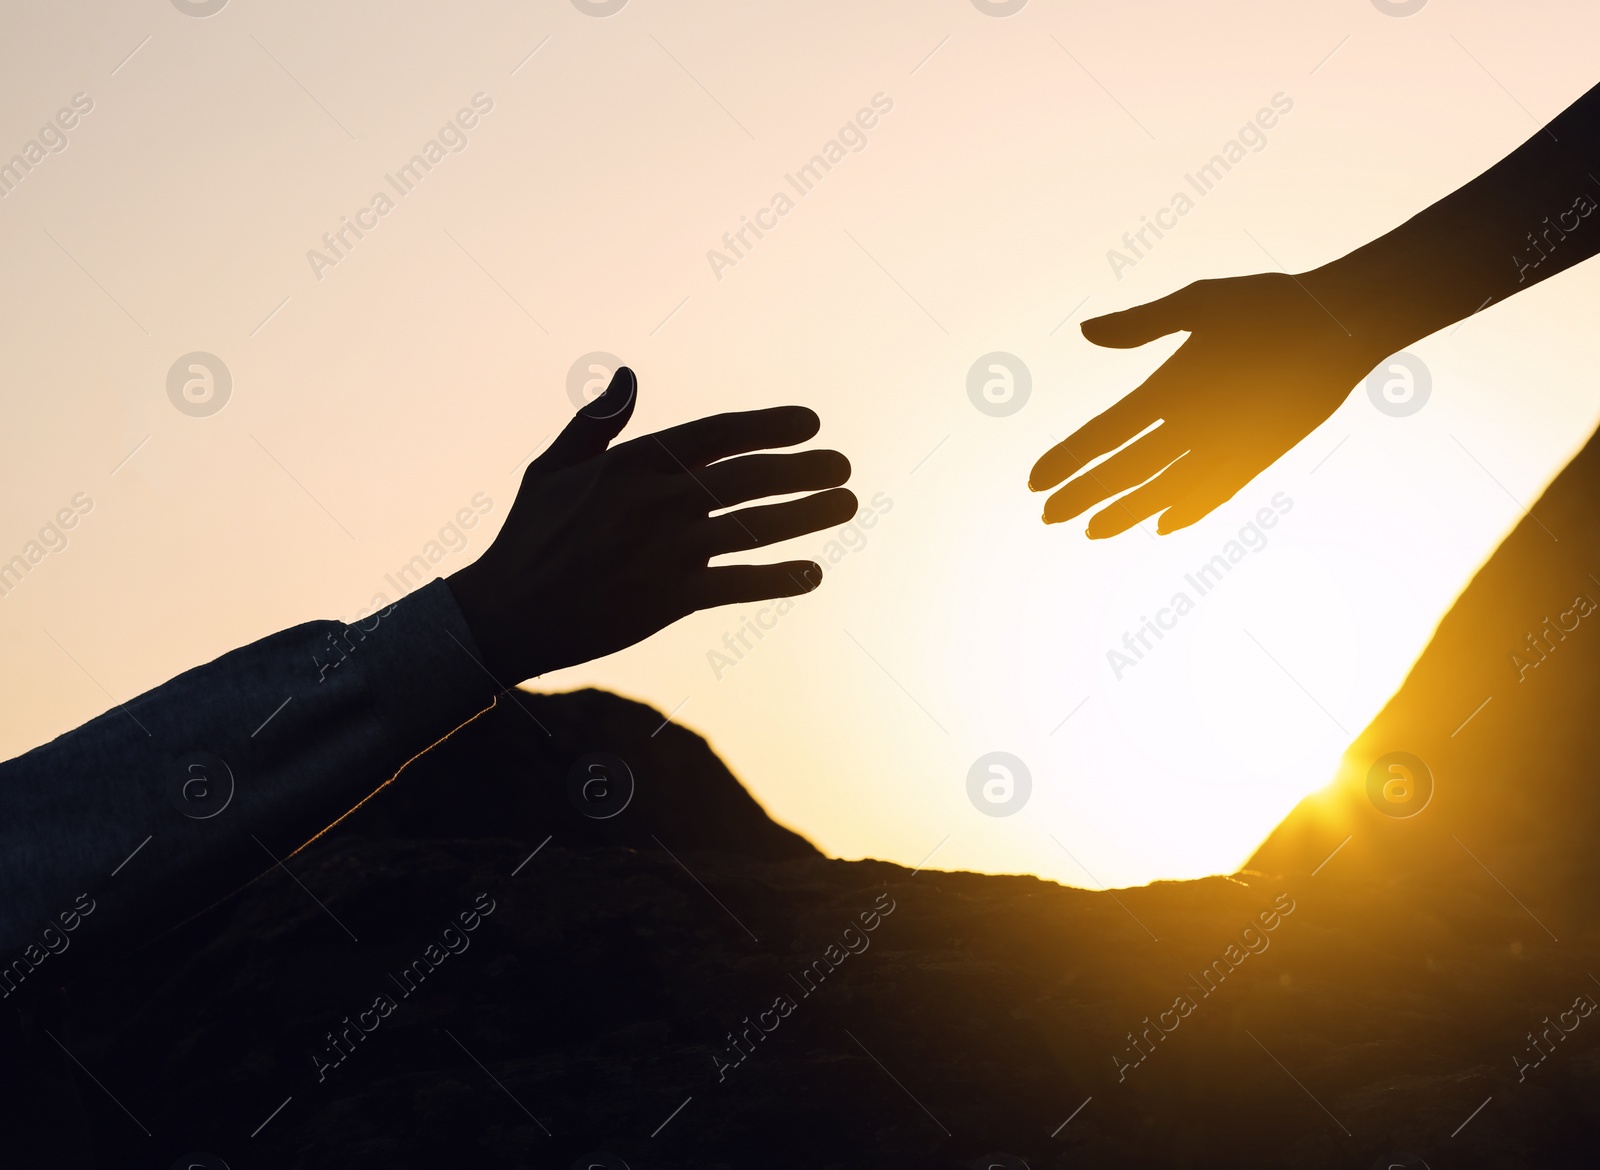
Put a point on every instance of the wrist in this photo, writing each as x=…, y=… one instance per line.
x=1372, y=298
x=474, y=598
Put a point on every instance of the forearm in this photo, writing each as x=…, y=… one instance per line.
x=1520, y=222
x=305, y=723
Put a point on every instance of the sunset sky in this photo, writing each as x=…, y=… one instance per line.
x=375, y=397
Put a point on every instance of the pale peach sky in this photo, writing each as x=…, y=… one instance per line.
x=371, y=405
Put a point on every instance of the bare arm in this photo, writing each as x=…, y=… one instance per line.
x=1519, y=223
x=1271, y=356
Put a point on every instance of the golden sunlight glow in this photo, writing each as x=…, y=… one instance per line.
x=1163, y=738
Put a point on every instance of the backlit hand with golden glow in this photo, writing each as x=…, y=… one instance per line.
x=1270, y=356
x=1265, y=363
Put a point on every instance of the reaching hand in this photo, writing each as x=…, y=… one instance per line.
x=1266, y=362
x=602, y=548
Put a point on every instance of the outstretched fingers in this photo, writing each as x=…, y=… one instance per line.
x=1142, y=503
x=707, y=440
x=1205, y=497
x=1113, y=427
x=750, y=477
x=1106, y=431
x=1126, y=469
x=741, y=584
x=773, y=523
x=1186, y=492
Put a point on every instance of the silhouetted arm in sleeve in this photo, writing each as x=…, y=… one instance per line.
x=160, y=807
x=1271, y=356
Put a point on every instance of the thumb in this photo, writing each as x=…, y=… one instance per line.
x=1144, y=323
x=593, y=427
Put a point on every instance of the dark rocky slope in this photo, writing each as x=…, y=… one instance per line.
x=1384, y=1016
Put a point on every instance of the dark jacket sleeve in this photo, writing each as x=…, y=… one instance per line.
x=160, y=807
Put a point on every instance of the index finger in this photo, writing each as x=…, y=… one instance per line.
x=695, y=444
x=1105, y=432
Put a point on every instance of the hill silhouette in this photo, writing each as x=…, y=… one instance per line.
x=688, y=984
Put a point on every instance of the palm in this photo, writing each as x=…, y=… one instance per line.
x=606, y=545
x=1264, y=365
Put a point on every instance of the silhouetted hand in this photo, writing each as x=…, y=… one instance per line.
x=602, y=548
x=1266, y=363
